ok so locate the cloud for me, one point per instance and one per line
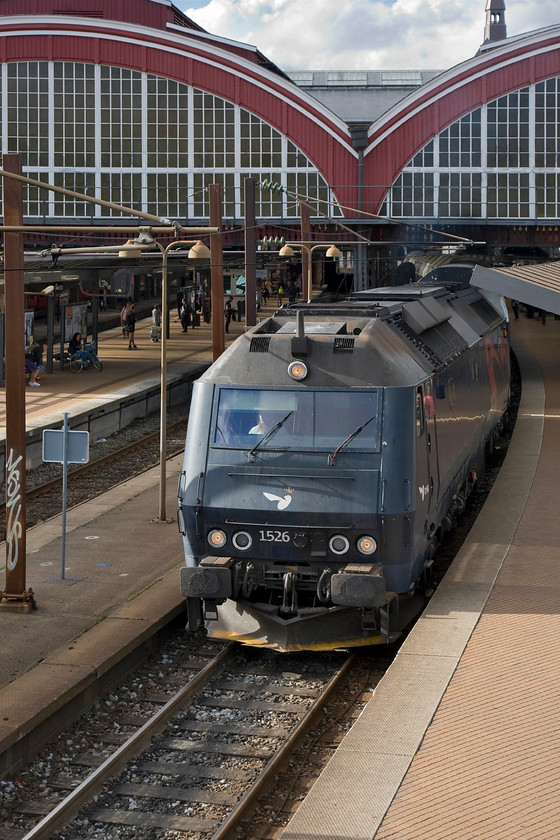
(525, 17)
(364, 34)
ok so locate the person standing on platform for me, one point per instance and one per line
(280, 294)
(124, 313)
(185, 315)
(131, 326)
(103, 286)
(228, 312)
(199, 298)
(207, 309)
(155, 332)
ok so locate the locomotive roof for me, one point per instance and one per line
(393, 336)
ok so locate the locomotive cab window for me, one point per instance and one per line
(297, 420)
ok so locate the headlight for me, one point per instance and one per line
(297, 370)
(366, 545)
(217, 538)
(339, 544)
(242, 540)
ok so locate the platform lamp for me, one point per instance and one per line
(288, 251)
(198, 250)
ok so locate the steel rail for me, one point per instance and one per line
(82, 795)
(252, 794)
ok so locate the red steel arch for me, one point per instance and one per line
(395, 138)
(186, 55)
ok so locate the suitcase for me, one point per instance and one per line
(196, 319)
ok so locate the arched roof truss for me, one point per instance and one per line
(99, 67)
(479, 141)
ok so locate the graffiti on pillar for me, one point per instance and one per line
(14, 523)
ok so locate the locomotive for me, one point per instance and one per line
(328, 450)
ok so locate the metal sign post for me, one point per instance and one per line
(63, 446)
(64, 493)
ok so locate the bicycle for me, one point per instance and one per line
(85, 357)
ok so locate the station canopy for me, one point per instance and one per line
(535, 285)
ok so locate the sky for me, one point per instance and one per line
(364, 34)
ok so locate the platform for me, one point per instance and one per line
(460, 740)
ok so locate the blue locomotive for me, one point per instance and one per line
(328, 449)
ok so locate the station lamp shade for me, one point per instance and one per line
(130, 250)
(199, 251)
(286, 251)
(333, 251)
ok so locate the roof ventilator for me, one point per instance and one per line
(259, 344)
(343, 344)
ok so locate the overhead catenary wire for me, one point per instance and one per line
(310, 202)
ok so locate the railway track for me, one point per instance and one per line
(200, 760)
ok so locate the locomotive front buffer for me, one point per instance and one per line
(353, 599)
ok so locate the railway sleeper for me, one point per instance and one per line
(143, 819)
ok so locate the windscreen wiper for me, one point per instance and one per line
(268, 435)
(332, 456)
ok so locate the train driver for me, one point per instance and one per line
(268, 420)
(261, 428)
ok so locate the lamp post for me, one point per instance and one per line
(330, 251)
(197, 251)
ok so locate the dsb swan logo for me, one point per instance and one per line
(284, 502)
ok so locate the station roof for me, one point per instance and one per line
(360, 95)
(536, 285)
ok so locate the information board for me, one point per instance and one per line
(77, 446)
